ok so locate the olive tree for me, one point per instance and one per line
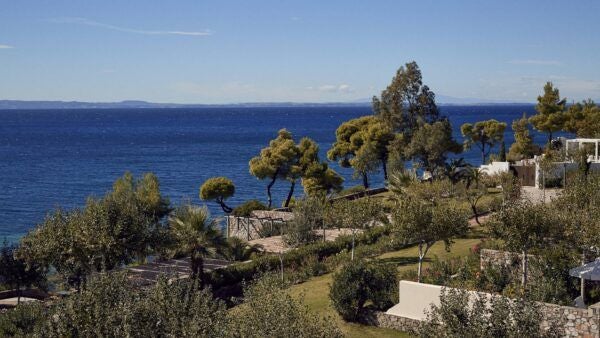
(462, 314)
(308, 217)
(484, 135)
(475, 189)
(123, 226)
(524, 226)
(424, 224)
(218, 189)
(15, 273)
(355, 215)
(270, 311)
(578, 207)
(109, 306)
(358, 282)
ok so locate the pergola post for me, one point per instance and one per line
(582, 290)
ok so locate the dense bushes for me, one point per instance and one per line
(359, 282)
(109, 306)
(269, 311)
(23, 321)
(373, 241)
(549, 272)
(462, 315)
(123, 226)
(352, 190)
(244, 209)
(113, 308)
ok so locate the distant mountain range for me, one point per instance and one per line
(18, 104)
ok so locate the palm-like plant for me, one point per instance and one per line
(240, 250)
(458, 170)
(399, 180)
(196, 234)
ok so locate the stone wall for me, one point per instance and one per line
(510, 260)
(382, 319)
(416, 298)
(583, 323)
(489, 257)
(576, 322)
(273, 214)
(262, 222)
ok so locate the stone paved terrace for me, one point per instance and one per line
(275, 244)
(174, 268)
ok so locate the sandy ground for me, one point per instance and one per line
(536, 196)
(13, 301)
(276, 244)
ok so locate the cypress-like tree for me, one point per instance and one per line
(550, 107)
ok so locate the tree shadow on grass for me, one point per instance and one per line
(401, 261)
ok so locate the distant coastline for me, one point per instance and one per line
(19, 104)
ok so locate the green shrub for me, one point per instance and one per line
(22, 321)
(359, 282)
(352, 190)
(460, 315)
(269, 311)
(244, 209)
(109, 306)
(372, 242)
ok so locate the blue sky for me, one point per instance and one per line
(306, 51)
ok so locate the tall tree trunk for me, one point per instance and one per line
(549, 138)
(365, 180)
(197, 266)
(225, 207)
(475, 213)
(290, 194)
(18, 294)
(583, 279)
(269, 189)
(525, 263)
(281, 263)
(483, 153)
(384, 166)
(420, 262)
(352, 254)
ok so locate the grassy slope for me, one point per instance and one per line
(315, 292)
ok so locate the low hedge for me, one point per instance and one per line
(373, 241)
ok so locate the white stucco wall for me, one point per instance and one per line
(495, 168)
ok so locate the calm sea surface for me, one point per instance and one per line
(51, 158)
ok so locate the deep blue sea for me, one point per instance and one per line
(52, 158)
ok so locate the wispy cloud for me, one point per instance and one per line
(6, 47)
(87, 22)
(341, 88)
(535, 62)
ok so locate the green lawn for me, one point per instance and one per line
(407, 258)
(315, 292)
